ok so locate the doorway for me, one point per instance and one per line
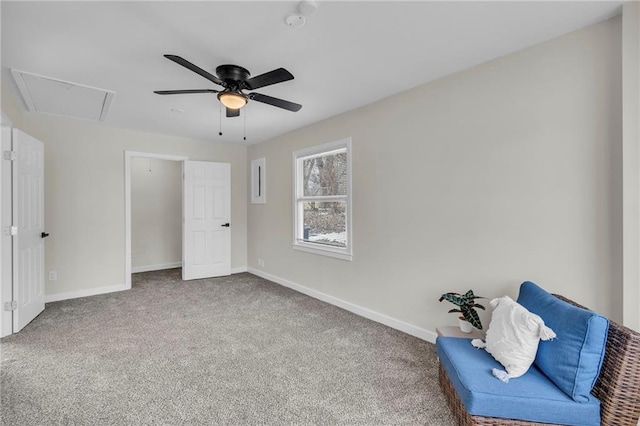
(128, 164)
(156, 214)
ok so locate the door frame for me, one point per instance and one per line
(6, 255)
(128, 155)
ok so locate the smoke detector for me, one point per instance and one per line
(295, 20)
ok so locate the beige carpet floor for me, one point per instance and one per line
(237, 350)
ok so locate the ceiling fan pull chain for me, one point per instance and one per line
(244, 136)
(220, 132)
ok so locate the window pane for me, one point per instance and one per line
(325, 175)
(324, 223)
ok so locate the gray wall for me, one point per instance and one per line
(498, 174)
(631, 163)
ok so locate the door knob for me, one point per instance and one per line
(44, 235)
(226, 225)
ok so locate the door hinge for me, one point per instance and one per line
(10, 230)
(11, 306)
(9, 155)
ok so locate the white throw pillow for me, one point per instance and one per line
(513, 336)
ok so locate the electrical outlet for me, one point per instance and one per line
(261, 262)
(53, 275)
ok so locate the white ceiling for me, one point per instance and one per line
(349, 54)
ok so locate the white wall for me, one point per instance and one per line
(156, 214)
(498, 174)
(84, 196)
(11, 109)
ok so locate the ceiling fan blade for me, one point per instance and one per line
(268, 78)
(180, 92)
(180, 61)
(233, 112)
(280, 103)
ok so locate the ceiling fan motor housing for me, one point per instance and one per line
(232, 73)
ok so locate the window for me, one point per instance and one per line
(322, 199)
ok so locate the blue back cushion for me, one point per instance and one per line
(573, 359)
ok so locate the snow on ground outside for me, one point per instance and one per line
(332, 237)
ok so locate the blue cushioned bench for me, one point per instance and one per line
(588, 376)
(532, 397)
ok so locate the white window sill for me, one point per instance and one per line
(328, 251)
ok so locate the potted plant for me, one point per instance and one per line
(466, 304)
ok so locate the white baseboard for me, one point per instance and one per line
(83, 293)
(418, 332)
(121, 287)
(238, 270)
(158, 267)
(172, 265)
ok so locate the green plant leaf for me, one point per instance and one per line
(454, 298)
(472, 316)
(467, 304)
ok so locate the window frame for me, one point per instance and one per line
(344, 253)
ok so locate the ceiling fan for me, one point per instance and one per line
(235, 79)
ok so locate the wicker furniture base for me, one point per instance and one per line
(617, 386)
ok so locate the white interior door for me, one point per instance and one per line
(28, 216)
(207, 214)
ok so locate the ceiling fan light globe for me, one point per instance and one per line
(232, 100)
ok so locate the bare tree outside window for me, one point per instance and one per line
(325, 176)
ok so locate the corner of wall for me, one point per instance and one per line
(631, 164)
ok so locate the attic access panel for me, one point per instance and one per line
(59, 97)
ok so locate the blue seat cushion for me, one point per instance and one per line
(531, 397)
(573, 359)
